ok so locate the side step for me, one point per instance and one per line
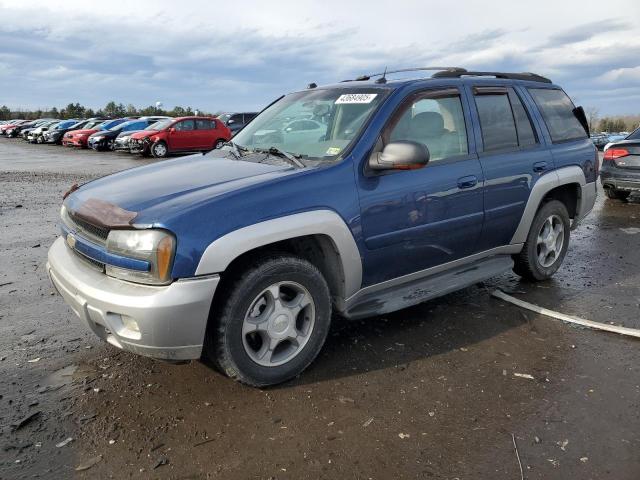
(420, 290)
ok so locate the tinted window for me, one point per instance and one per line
(635, 135)
(437, 122)
(185, 125)
(526, 135)
(202, 124)
(496, 122)
(557, 111)
(237, 118)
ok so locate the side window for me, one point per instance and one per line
(203, 124)
(496, 120)
(526, 134)
(557, 111)
(434, 119)
(237, 118)
(185, 125)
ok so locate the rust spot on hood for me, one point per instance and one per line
(105, 214)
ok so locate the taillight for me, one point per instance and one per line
(614, 153)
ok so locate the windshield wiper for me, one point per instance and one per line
(282, 154)
(237, 149)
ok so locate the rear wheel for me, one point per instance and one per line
(272, 321)
(219, 143)
(546, 245)
(159, 149)
(616, 194)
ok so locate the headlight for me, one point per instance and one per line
(155, 246)
(98, 138)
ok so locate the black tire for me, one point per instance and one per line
(159, 149)
(614, 194)
(218, 143)
(527, 263)
(224, 343)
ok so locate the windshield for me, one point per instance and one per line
(119, 127)
(161, 125)
(315, 124)
(224, 117)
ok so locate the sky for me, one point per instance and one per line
(238, 56)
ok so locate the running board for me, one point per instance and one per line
(427, 288)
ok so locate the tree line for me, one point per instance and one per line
(111, 109)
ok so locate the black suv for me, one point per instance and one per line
(236, 121)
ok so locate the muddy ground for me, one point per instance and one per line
(427, 392)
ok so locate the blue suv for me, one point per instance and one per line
(409, 190)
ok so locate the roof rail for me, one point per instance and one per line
(363, 78)
(532, 77)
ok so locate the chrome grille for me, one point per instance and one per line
(93, 230)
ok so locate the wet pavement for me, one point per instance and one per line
(427, 392)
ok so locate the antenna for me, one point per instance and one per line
(383, 78)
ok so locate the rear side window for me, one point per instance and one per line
(496, 122)
(557, 111)
(202, 124)
(526, 135)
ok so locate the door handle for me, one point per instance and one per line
(539, 167)
(467, 182)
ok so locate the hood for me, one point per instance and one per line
(144, 133)
(161, 190)
(128, 133)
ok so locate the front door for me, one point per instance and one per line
(184, 136)
(416, 219)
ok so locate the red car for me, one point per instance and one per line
(9, 125)
(183, 134)
(78, 138)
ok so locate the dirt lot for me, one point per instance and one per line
(428, 392)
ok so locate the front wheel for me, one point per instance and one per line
(546, 245)
(272, 321)
(159, 150)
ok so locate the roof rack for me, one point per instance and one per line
(382, 75)
(532, 77)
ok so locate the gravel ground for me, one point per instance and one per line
(427, 392)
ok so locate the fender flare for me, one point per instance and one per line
(546, 183)
(221, 252)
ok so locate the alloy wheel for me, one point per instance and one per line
(550, 241)
(278, 324)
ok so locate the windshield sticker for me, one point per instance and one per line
(356, 98)
(333, 150)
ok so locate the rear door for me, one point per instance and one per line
(205, 133)
(512, 158)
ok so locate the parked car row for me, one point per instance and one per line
(153, 135)
(602, 139)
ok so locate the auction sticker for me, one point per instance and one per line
(356, 98)
(333, 150)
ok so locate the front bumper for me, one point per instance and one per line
(74, 142)
(171, 319)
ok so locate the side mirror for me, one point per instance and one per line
(229, 122)
(402, 155)
(172, 130)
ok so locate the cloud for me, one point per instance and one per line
(222, 56)
(586, 31)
